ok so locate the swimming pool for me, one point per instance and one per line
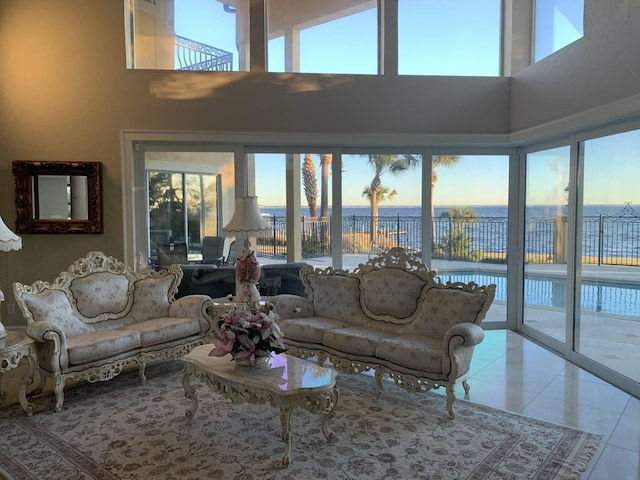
(612, 298)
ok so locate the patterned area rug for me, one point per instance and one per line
(123, 430)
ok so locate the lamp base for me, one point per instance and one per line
(247, 293)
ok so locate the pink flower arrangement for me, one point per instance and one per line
(249, 331)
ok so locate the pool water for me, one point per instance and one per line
(612, 298)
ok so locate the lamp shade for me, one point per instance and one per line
(246, 217)
(8, 240)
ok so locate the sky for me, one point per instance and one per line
(429, 45)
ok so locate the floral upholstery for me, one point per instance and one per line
(310, 329)
(335, 296)
(445, 307)
(53, 307)
(392, 291)
(100, 292)
(100, 315)
(413, 351)
(98, 345)
(392, 315)
(356, 340)
(151, 297)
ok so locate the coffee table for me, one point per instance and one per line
(288, 383)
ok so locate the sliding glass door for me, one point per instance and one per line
(546, 237)
(607, 325)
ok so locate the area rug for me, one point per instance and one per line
(121, 429)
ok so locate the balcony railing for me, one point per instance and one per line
(192, 55)
(606, 239)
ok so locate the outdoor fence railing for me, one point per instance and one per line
(606, 239)
(192, 55)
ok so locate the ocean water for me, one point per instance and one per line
(480, 210)
(607, 230)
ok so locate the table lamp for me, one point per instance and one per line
(247, 219)
(8, 241)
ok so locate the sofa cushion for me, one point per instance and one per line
(336, 296)
(355, 340)
(310, 329)
(412, 351)
(392, 292)
(445, 307)
(53, 306)
(165, 329)
(100, 292)
(98, 345)
(151, 297)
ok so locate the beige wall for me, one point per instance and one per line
(65, 94)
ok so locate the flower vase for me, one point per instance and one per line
(263, 362)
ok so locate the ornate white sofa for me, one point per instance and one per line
(100, 316)
(392, 315)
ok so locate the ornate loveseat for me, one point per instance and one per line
(391, 315)
(100, 316)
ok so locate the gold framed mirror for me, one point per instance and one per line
(58, 197)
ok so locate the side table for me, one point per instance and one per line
(13, 348)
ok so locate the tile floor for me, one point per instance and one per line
(512, 373)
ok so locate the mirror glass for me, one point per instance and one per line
(58, 197)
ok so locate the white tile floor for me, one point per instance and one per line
(512, 373)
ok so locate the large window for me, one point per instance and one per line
(183, 209)
(309, 36)
(546, 239)
(607, 288)
(557, 24)
(470, 196)
(381, 205)
(204, 35)
(435, 37)
(455, 37)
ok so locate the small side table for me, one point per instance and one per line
(13, 348)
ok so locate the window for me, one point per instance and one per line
(313, 37)
(182, 211)
(557, 24)
(454, 37)
(470, 222)
(381, 205)
(186, 35)
(609, 253)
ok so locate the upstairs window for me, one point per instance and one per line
(449, 37)
(200, 35)
(311, 36)
(557, 24)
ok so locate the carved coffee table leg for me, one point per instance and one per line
(190, 393)
(286, 407)
(329, 413)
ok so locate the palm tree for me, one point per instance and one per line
(310, 184)
(456, 243)
(325, 162)
(394, 164)
(438, 161)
